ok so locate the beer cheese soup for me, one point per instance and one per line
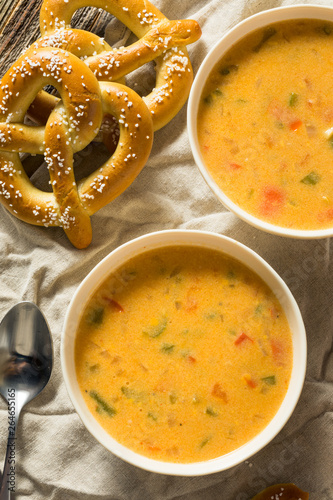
(183, 354)
(265, 124)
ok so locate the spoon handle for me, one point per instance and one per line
(8, 476)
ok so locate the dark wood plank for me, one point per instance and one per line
(6, 9)
(91, 19)
(19, 27)
(20, 30)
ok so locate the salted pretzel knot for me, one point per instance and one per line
(160, 39)
(72, 124)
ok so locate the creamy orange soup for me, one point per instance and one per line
(183, 354)
(265, 124)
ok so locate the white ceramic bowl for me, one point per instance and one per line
(225, 43)
(229, 247)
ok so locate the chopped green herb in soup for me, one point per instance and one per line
(186, 364)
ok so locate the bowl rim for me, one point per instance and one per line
(230, 37)
(230, 247)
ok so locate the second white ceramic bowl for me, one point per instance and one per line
(215, 54)
(206, 240)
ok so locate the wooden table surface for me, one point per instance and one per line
(19, 26)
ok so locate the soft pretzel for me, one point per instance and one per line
(159, 39)
(72, 124)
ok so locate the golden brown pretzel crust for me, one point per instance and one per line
(159, 39)
(75, 61)
(72, 124)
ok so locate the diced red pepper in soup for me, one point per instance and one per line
(242, 337)
(273, 199)
(278, 352)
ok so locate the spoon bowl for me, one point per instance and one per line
(26, 359)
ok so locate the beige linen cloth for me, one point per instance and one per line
(56, 457)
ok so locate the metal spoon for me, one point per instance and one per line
(25, 367)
